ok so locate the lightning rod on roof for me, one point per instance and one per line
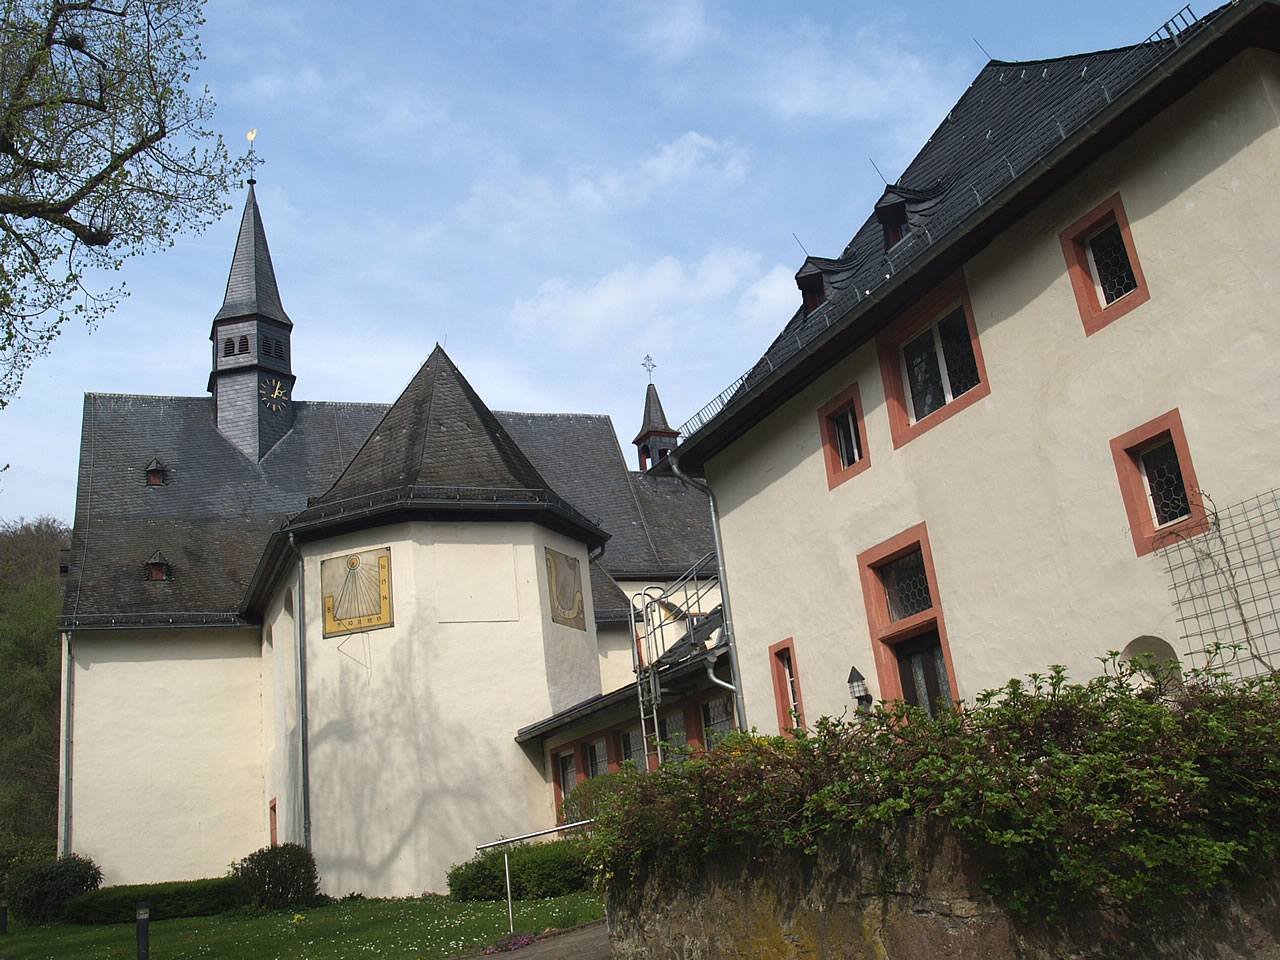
(797, 239)
(982, 48)
(873, 163)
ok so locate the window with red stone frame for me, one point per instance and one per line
(844, 437)
(1158, 483)
(931, 362)
(1103, 266)
(786, 685)
(904, 616)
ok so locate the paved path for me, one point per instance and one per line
(588, 942)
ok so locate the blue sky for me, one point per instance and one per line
(551, 189)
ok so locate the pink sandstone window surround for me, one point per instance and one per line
(904, 616)
(1158, 483)
(786, 685)
(844, 437)
(931, 362)
(1102, 263)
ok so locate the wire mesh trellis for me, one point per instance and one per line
(1226, 586)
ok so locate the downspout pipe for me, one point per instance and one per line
(301, 619)
(740, 706)
(68, 705)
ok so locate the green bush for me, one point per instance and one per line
(41, 888)
(538, 870)
(183, 898)
(1119, 790)
(277, 877)
(590, 796)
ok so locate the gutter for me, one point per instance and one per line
(304, 746)
(740, 706)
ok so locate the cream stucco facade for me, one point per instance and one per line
(1030, 540)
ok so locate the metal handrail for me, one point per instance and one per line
(506, 858)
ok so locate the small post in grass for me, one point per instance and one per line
(511, 920)
(143, 915)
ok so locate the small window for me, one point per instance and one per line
(157, 567)
(939, 364)
(243, 345)
(228, 347)
(279, 348)
(155, 473)
(634, 750)
(597, 758)
(671, 728)
(717, 720)
(567, 772)
(931, 362)
(786, 686)
(843, 437)
(906, 586)
(813, 290)
(1102, 265)
(1158, 483)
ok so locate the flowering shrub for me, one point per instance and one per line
(1123, 789)
(512, 941)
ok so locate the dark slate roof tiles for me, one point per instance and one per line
(251, 285)
(655, 421)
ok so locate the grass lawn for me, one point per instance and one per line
(378, 929)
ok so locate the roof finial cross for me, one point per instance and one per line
(648, 364)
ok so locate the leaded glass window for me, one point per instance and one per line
(568, 774)
(1169, 500)
(1112, 271)
(633, 747)
(597, 758)
(717, 720)
(922, 669)
(906, 585)
(940, 364)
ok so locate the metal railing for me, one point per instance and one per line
(970, 195)
(506, 857)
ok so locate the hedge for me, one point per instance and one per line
(182, 898)
(537, 870)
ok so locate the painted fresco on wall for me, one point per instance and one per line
(357, 592)
(564, 580)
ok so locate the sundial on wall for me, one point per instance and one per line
(357, 592)
(564, 583)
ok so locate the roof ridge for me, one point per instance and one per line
(1066, 56)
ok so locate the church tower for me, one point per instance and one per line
(656, 438)
(252, 376)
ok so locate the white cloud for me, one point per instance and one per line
(674, 31)
(691, 159)
(769, 302)
(299, 84)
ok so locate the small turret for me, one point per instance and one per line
(656, 438)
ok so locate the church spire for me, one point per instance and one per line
(251, 286)
(656, 438)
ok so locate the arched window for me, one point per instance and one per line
(228, 347)
(243, 345)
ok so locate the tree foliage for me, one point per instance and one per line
(30, 656)
(104, 154)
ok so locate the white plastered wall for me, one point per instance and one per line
(411, 727)
(166, 761)
(281, 744)
(1033, 556)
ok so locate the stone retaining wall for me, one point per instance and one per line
(917, 897)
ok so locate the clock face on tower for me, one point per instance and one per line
(274, 393)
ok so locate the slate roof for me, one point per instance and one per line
(251, 285)
(212, 516)
(216, 511)
(655, 421)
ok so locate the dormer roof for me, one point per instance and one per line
(251, 285)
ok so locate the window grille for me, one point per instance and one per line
(671, 729)
(848, 437)
(906, 585)
(568, 774)
(1111, 269)
(1169, 500)
(597, 759)
(940, 364)
(633, 747)
(922, 668)
(717, 720)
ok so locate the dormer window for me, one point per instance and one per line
(158, 567)
(814, 291)
(228, 347)
(155, 474)
(243, 345)
(895, 233)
